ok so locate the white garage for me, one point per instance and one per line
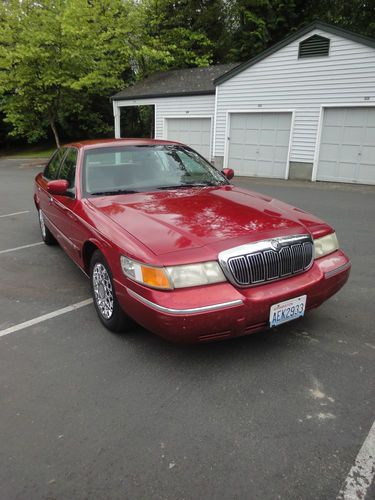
(183, 102)
(259, 143)
(347, 145)
(194, 131)
(302, 109)
(323, 75)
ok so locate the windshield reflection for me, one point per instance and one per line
(130, 169)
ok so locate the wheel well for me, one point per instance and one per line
(87, 251)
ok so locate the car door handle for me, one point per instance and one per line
(50, 199)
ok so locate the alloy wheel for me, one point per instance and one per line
(42, 224)
(103, 292)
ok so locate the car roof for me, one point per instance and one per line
(105, 143)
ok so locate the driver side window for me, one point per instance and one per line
(68, 168)
(50, 172)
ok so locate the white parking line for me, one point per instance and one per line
(15, 213)
(362, 473)
(21, 248)
(44, 317)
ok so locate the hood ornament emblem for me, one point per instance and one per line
(276, 245)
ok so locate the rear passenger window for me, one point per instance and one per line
(68, 167)
(50, 172)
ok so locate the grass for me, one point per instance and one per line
(30, 152)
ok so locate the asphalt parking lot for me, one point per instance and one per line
(89, 414)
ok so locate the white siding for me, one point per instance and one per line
(282, 81)
(167, 107)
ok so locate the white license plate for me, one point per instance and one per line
(287, 310)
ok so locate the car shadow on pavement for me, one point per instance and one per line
(265, 344)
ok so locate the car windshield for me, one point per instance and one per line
(129, 169)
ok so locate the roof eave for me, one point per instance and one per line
(335, 30)
(159, 95)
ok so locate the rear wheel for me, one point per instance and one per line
(47, 236)
(104, 296)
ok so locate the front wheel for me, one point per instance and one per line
(104, 296)
(47, 236)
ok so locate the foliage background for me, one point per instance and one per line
(61, 60)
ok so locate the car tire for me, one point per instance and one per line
(106, 304)
(47, 236)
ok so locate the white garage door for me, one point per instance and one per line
(195, 132)
(259, 143)
(347, 146)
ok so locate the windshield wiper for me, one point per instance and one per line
(177, 186)
(204, 184)
(190, 185)
(117, 191)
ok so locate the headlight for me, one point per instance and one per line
(196, 274)
(326, 245)
(174, 276)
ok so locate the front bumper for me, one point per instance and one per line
(214, 312)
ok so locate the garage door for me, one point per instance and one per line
(259, 143)
(195, 132)
(347, 146)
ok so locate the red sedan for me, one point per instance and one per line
(168, 242)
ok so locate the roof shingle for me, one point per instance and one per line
(179, 82)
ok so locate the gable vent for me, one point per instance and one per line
(315, 46)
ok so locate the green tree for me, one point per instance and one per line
(354, 15)
(56, 57)
(60, 60)
(256, 24)
(180, 33)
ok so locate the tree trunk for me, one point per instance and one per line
(56, 135)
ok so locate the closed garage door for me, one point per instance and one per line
(195, 132)
(347, 146)
(259, 143)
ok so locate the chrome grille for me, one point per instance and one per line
(268, 260)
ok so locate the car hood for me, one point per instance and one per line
(220, 218)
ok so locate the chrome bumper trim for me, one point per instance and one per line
(338, 270)
(194, 310)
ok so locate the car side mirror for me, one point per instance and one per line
(229, 173)
(58, 186)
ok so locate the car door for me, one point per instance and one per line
(68, 224)
(45, 198)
